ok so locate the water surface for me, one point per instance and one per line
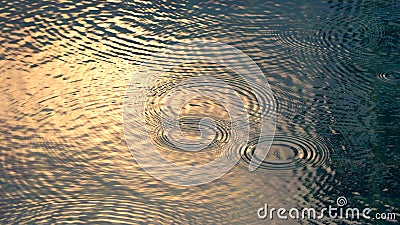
(333, 67)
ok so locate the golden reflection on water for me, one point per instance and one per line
(67, 119)
(71, 145)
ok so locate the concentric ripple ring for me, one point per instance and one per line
(291, 152)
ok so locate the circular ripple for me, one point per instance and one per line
(288, 152)
(352, 34)
(337, 31)
(391, 77)
(161, 139)
(189, 128)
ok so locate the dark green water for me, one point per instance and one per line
(333, 68)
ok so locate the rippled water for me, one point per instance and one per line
(333, 68)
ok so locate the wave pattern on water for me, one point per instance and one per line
(65, 65)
